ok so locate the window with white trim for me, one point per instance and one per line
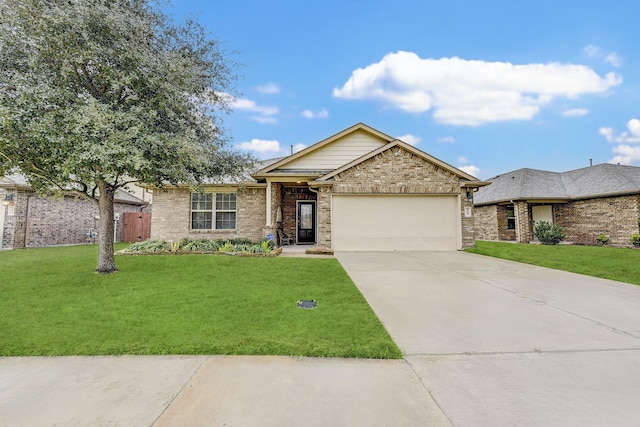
(213, 211)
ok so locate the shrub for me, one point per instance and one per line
(603, 239)
(148, 246)
(548, 234)
(635, 239)
(227, 247)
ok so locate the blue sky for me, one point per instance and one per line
(487, 86)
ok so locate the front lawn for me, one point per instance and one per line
(53, 303)
(621, 264)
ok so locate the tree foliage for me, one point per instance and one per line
(97, 94)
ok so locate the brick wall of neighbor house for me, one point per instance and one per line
(504, 233)
(486, 222)
(50, 221)
(13, 232)
(583, 220)
(524, 232)
(172, 212)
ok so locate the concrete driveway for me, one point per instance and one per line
(486, 343)
(502, 343)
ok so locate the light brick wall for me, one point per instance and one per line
(468, 227)
(172, 212)
(402, 173)
(524, 232)
(324, 216)
(486, 222)
(583, 220)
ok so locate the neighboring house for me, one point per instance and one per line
(356, 190)
(28, 220)
(601, 199)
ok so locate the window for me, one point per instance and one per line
(225, 211)
(207, 215)
(511, 218)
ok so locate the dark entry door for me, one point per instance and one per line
(306, 222)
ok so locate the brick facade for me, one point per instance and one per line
(393, 171)
(486, 222)
(49, 221)
(396, 171)
(172, 214)
(582, 220)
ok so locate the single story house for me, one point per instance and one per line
(359, 189)
(28, 220)
(586, 202)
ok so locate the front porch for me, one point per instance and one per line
(293, 208)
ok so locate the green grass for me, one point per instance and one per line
(53, 303)
(621, 264)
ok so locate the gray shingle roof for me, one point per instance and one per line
(529, 184)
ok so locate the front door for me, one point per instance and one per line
(306, 223)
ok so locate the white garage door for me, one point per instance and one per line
(394, 222)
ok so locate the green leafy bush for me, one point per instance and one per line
(200, 245)
(635, 239)
(187, 245)
(548, 234)
(148, 246)
(603, 239)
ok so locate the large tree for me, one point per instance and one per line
(97, 94)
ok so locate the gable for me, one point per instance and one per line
(337, 153)
(396, 170)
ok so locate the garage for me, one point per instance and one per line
(394, 222)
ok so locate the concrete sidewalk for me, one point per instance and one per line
(212, 391)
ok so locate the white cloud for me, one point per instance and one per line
(269, 88)
(471, 92)
(260, 145)
(249, 105)
(592, 51)
(321, 114)
(471, 170)
(410, 139)
(595, 52)
(462, 159)
(626, 154)
(613, 59)
(575, 112)
(630, 136)
(446, 140)
(264, 148)
(266, 114)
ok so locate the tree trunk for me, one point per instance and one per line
(106, 257)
